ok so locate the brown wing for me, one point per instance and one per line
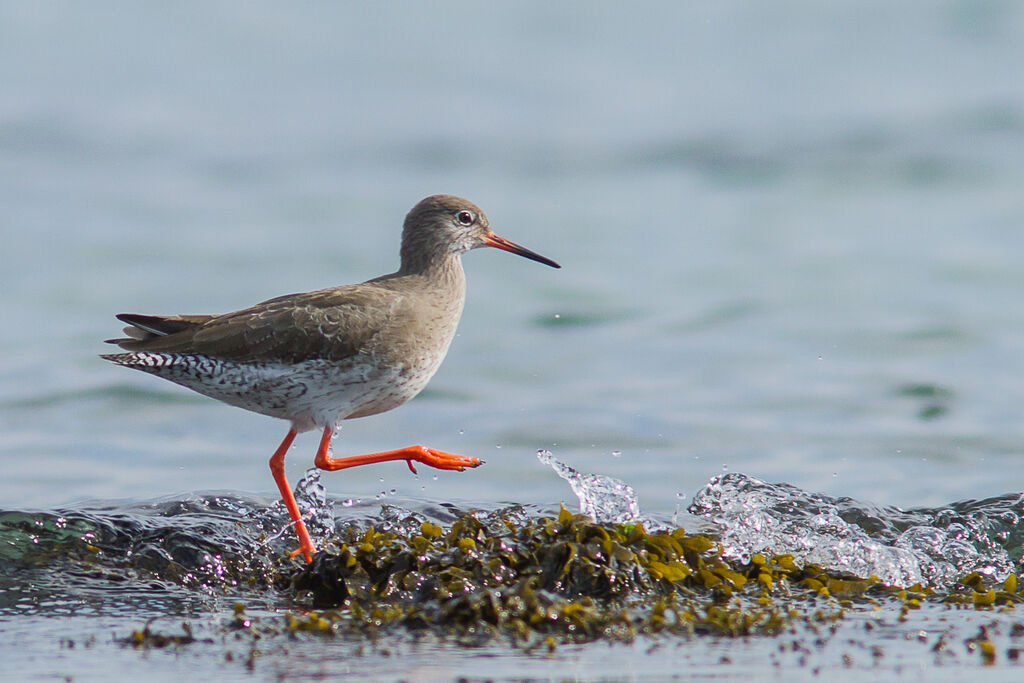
(331, 323)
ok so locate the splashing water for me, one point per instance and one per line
(316, 508)
(604, 499)
(399, 520)
(496, 521)
(900, 547)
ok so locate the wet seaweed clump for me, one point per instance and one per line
(538, 582)
(551, 580)
(148, 638)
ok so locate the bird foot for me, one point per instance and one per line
(428, 456)
(439, 459)
(305, 551)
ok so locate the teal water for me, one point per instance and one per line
(790, 239)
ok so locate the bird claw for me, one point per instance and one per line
(459, 462)
(307, 553)
(445, 461)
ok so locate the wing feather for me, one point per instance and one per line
(331, 324)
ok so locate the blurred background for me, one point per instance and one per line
(791, 237)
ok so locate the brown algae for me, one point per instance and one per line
(537, 583)
(568, 579)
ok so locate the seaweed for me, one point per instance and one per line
(568, 579)
(537, 583)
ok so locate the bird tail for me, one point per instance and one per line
(146, 328)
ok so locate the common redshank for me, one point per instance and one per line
(321, 357)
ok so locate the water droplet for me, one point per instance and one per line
(348, 502)
(725, 468)
(616, 454)
(393, 491)
(462, 431)
(497, 445)
(558, 316)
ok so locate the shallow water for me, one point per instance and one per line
(79, 582)
(790, 238)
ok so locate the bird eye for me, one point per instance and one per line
(465, 217)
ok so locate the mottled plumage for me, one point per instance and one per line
(320, 357)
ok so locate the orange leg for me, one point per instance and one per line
(427, 456)
(277, 469)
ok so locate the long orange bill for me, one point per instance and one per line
(493, 240)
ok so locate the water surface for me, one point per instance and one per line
(790, 238)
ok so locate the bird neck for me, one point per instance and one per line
(438, 263)
(446, 274)
(440, 276)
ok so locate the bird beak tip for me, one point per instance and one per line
(497, 242)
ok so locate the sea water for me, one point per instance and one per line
(790, 237)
